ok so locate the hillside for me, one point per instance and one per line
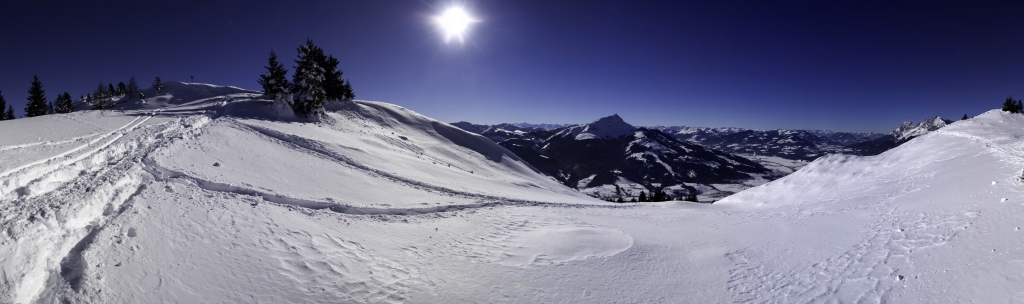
(223, 198)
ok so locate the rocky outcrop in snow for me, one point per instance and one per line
(908, 130)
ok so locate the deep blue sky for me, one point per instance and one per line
(840, 65)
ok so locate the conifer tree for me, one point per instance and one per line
(49, 106)
(121, 89)
(133, 88)
(158, 85)
(337, 89)
(275, 80)
(36, 99)
(3, 105)
(308, 81)
(101, 97)
(1012, 106)
(643, 196)
(10, 113)
(965, 117)
(63, 104)
(110, 89)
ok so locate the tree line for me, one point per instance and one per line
(316, 81)
(656, 196)
(101, 98)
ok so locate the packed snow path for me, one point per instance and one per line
(216, 198)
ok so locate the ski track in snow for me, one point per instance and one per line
(71, 196)
(55, 208)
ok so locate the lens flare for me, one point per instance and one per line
(454, 22)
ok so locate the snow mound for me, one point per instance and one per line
(556, 245)
(840, 177)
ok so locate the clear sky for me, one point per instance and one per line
(839, 65)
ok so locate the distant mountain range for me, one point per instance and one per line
(610, 158)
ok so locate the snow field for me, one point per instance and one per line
(206, 194)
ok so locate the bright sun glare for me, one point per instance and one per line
(454, 22)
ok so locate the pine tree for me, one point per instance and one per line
(158, 85)
(36, 99)
(620, 200)
(121, 89)
(3, 105)
(63, 104)
(1011, 105)
(10, 113)
(133, 88)
(333, 84)
(308, 80)
(49, 106)
(110, 89)
(101, 97)
(643, 196)
(275, 80)
(965, 117)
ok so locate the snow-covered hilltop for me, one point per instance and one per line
(204, 195)
(933, 220)
(67, 180)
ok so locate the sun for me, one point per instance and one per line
(454, 22)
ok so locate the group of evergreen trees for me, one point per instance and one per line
(1013, 106)
(102, 97)
(657, 196)
(5, 115)
(316, 81)
(38, 105)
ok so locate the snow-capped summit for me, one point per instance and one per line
(908, 130)
(608, 128)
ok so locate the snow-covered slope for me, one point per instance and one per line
(65, 177)
(223, 199)
(937, 219)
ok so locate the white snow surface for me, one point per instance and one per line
(222, 198)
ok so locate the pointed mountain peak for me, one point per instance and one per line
(607, 127)
(614, 119)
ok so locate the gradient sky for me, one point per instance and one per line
(839, 65)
